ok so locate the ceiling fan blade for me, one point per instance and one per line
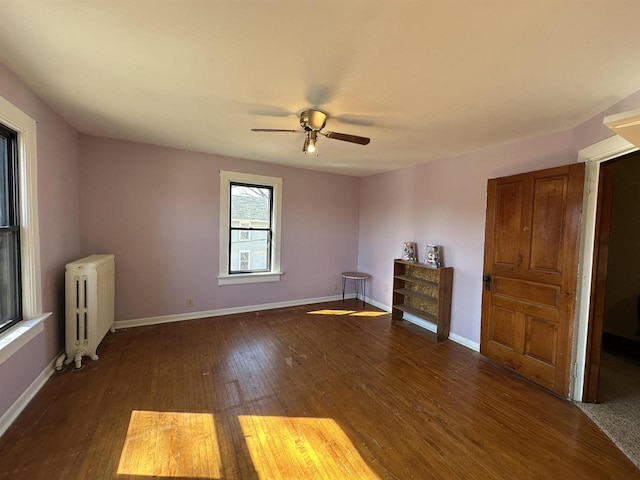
(347, 138)
(275, 130)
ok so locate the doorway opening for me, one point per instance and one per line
(611, 390)
(614, 317)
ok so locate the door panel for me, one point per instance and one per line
(528, 292)
(531, 254)
(541, 339)
(550, 199)
(509, 196)
(502, 326)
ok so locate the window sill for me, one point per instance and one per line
(243, 278)
(19, 335)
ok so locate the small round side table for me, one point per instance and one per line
(359, 280)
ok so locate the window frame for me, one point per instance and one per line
(12, 227)
(244, 228)
(32, 324)
(25, 127)
(274, 273)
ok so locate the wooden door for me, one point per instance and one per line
(530, 273)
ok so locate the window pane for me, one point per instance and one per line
(4, 183)
(250, 205)
(250, 244)
(9, 296)
(250, 255)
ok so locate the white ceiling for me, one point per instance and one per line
(423, 79)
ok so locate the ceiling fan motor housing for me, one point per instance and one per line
(313, 120)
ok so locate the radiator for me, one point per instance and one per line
(89, 305)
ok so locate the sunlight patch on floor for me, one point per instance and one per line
(298, 447)
(352, 313)
(367, 314)
(172, 445)
(332, 312)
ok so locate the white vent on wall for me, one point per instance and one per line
(626, 124)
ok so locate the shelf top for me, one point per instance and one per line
(418, 264)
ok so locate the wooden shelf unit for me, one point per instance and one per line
(423, 292)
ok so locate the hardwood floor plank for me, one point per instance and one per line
(304, 392)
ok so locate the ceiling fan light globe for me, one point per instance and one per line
(310, 145)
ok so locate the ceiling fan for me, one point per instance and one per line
(312, 122)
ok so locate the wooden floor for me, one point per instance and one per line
(299, 393)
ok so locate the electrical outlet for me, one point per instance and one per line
(386, 287)
(335, 286)
(189, 302)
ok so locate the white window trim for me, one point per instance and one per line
(25, 127)
(224, 278)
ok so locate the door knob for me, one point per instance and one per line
(486, 279)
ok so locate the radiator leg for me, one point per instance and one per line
(78, 360)
(59, 361)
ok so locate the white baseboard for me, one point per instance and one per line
(179, 317)
(432, 327)
(379, 305)
(139, 322)
(465, 342)
(14, 410)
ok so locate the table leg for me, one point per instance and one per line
(344, 282)
(364, 292)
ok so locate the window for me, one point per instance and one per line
(250, 212)
(23, 187)
(251, 208)
(10, 288)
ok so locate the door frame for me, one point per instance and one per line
(593, 156)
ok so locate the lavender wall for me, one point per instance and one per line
(444, 202)
(157, 210)
(58, 195)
